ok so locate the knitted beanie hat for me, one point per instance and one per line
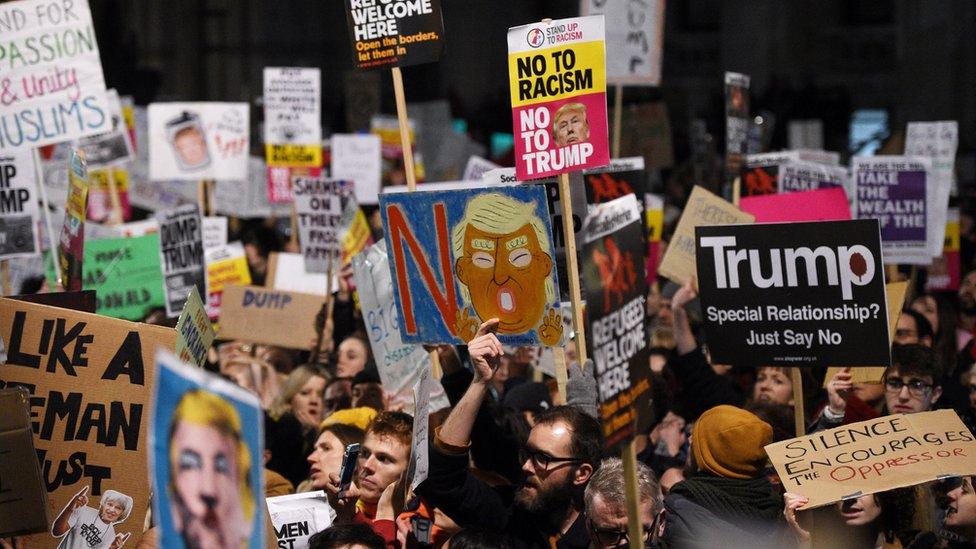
(729, 442)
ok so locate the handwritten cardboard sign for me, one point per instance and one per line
(319, 206)
(703, 209)
(54, 90)
(616, 290)
(90, 379)
(19, 213)
(394, 33)
(794, 294)
(874, 456)
(558, 83)
(461, 257)
(272, 317)
(127, 275)
(181, 250)
(357, 158)
(194, 333)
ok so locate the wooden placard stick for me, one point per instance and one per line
(327, 306)
(635, 530)
(799, 411)
(113, 196)
(293, 241)
(575, 295)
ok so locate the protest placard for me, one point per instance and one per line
(828, 204)
(214, 232)
(398, 363)
(101, 203)
(247, 197)
(760, 171)
(71, 251)
(194, 333)
(621, 177)
(216, 427)
(801, 175)
(895, 190)
(394, 33)
(287, 272)
(477, 167)
(356, 158)
(938, 142)
(736, 123)
(90, 378)
(654, 221)
(272, 317)
(83, 301)
(54, 88)
(945, 274)
(703, 208)
(448, 251)
(24, 506)
(419, 442)
(181, 250)
(114, 146)
(292, 117)
(874, 456)
(226, 265)
(805, 133)
(319, 207)
(809, 294)
(19, 215)
(297, 517)
(557, 78)
(635, 35)
(126, 274)
(195, 141)
(616, 291)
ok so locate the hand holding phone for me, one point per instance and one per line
(348, 469)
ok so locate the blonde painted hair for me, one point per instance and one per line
(499, 214)
(209, 410)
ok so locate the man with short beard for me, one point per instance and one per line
(967, 310)
(562, 452)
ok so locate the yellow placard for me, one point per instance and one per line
(300, 156)
(550, 74)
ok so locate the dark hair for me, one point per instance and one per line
(347, 434)
(501, 431)
(342, 535)
(917, 360)
(778, 416)
(31, 285)
(480, 538)
(265, 239)
(897, 511)
(587, 435)
(922, 325)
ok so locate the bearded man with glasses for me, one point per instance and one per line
(562, 452)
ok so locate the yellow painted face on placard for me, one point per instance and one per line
(506, 276)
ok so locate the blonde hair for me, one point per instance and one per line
(499, 214)
(204, 409)
(292, 386)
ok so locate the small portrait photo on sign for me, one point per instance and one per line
(80, 525)
(569, 125)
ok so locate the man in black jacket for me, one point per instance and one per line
(563, 450)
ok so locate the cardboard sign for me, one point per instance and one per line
(395, 33)
(126, 274)
(271, 317)
(557, 77)
(53, 74)
(72, 242)
(760, 172)
(875, 456)
(297, 517)
(181, 250)
(616, 292)
(214, 232)
(461, 257)
(194, 141)
(938, 142)
(703, 209)
(194, 333)
(19, 216)
(90, 379)
(635, 35)
(895, 190)
(24, 506)
(319, 206)
(799, 175)
(206, 432)
(114, 146)
(292, 117)
(829, 204)
(100, 198)
(945, 274)
(419, 442)
(356, 158)
(399, 364)
(287, 272)
(226, 265)
(794, 294)
(736, 122)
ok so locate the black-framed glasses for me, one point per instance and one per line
(916, 387)
(541, 460)
(613, 538)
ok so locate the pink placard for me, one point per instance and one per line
(819, 205)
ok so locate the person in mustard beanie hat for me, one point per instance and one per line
(727, 501)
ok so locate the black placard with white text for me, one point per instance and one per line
(394, 33)
(794, 294)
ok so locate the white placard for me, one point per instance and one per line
(195, 141)
(292, 106)
(357, 158)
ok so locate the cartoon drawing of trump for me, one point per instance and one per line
(503, 264)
